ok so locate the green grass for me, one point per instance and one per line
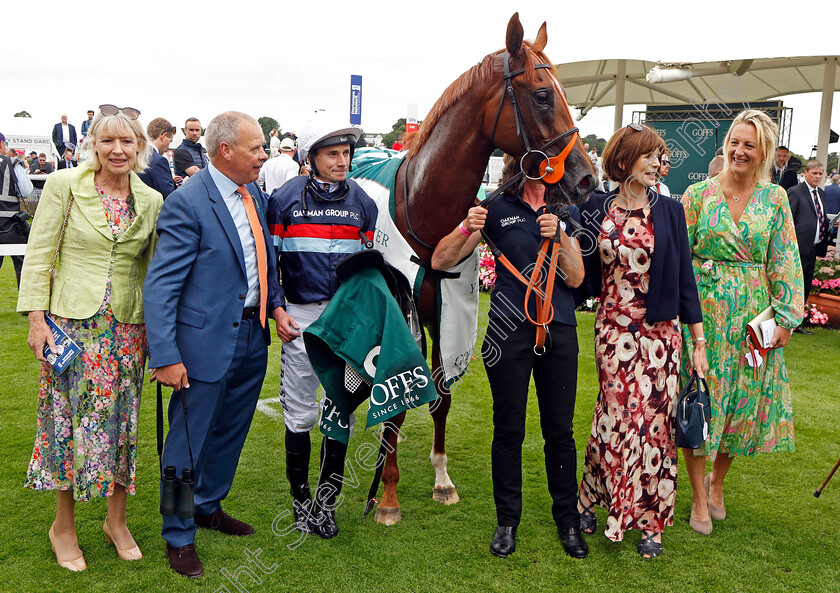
(777, 537)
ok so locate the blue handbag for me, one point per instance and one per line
(694, 411)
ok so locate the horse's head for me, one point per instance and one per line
(530, 119)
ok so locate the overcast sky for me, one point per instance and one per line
(286, 59)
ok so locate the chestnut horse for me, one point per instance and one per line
(510, 100)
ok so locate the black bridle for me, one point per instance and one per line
(521, 131)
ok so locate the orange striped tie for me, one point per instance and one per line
(259, 242)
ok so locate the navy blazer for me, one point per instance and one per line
(196, 284)
(672, 291)
(58, 136)
(805, 221)
(158, 175)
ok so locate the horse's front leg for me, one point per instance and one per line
(444, 490)
(388, 511)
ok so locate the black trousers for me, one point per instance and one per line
(508, 354)
(808, 264)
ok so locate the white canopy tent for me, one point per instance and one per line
(601, 83)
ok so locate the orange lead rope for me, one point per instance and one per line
(545, 310)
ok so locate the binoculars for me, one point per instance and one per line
(176, 494)
(21, 221)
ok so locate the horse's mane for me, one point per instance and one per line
(478, 73)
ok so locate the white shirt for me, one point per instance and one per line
(65, 133)
(274, 146)
(662, 189)
(234, 203)
(277, 171)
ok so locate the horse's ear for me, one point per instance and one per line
(541, 40)
(515, 35)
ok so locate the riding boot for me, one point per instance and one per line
(330, 481)
(297, 471)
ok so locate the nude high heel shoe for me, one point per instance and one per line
(701, 527)
(717, 513)
(127, 554)
(74, 564)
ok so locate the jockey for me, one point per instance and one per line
(316, 221)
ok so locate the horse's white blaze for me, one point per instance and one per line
(438, 461)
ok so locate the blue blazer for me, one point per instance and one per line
(673, 290)
(158, 175)
(196, 284)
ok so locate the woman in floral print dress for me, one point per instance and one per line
(745, 259)
(642, 271)
(86, 441)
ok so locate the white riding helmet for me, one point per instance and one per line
(326, 131)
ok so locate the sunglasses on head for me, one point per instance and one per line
(129, 112)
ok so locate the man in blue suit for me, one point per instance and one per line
(208, 291)
(159, 175)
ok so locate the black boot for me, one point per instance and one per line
(297, 471)
(330, 481)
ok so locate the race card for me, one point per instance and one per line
(66, 349)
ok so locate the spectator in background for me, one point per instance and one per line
(68, 162)
(274, 143)
(190, 157)
(780, 174)
(276, 172)
(807, 205)
(41, 166)
(664, 168)
(832, 196)
(63, 133)
(715, 166)
(158, 174)
(87, 122)
(33, 156)
(14, 185)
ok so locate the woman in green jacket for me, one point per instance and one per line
(100, 218)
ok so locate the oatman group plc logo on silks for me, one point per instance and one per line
(396, 392)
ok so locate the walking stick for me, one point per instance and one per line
(831, 473)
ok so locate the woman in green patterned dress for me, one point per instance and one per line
(745, 259)
(86, 441)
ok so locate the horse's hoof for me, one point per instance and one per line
(387, 515)
(446, 495)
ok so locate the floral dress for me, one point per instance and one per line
(631, 459)
(740, 270)
(87, 416)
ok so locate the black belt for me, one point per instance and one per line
(250, 312)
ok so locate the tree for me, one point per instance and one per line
(397, 132)
(22, 114)
(595, 142)
(832, 163)
(267, 124)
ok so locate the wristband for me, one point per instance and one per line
(463, 229)
(696, 340)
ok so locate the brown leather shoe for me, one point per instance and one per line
(221, 521)
(184, 561)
